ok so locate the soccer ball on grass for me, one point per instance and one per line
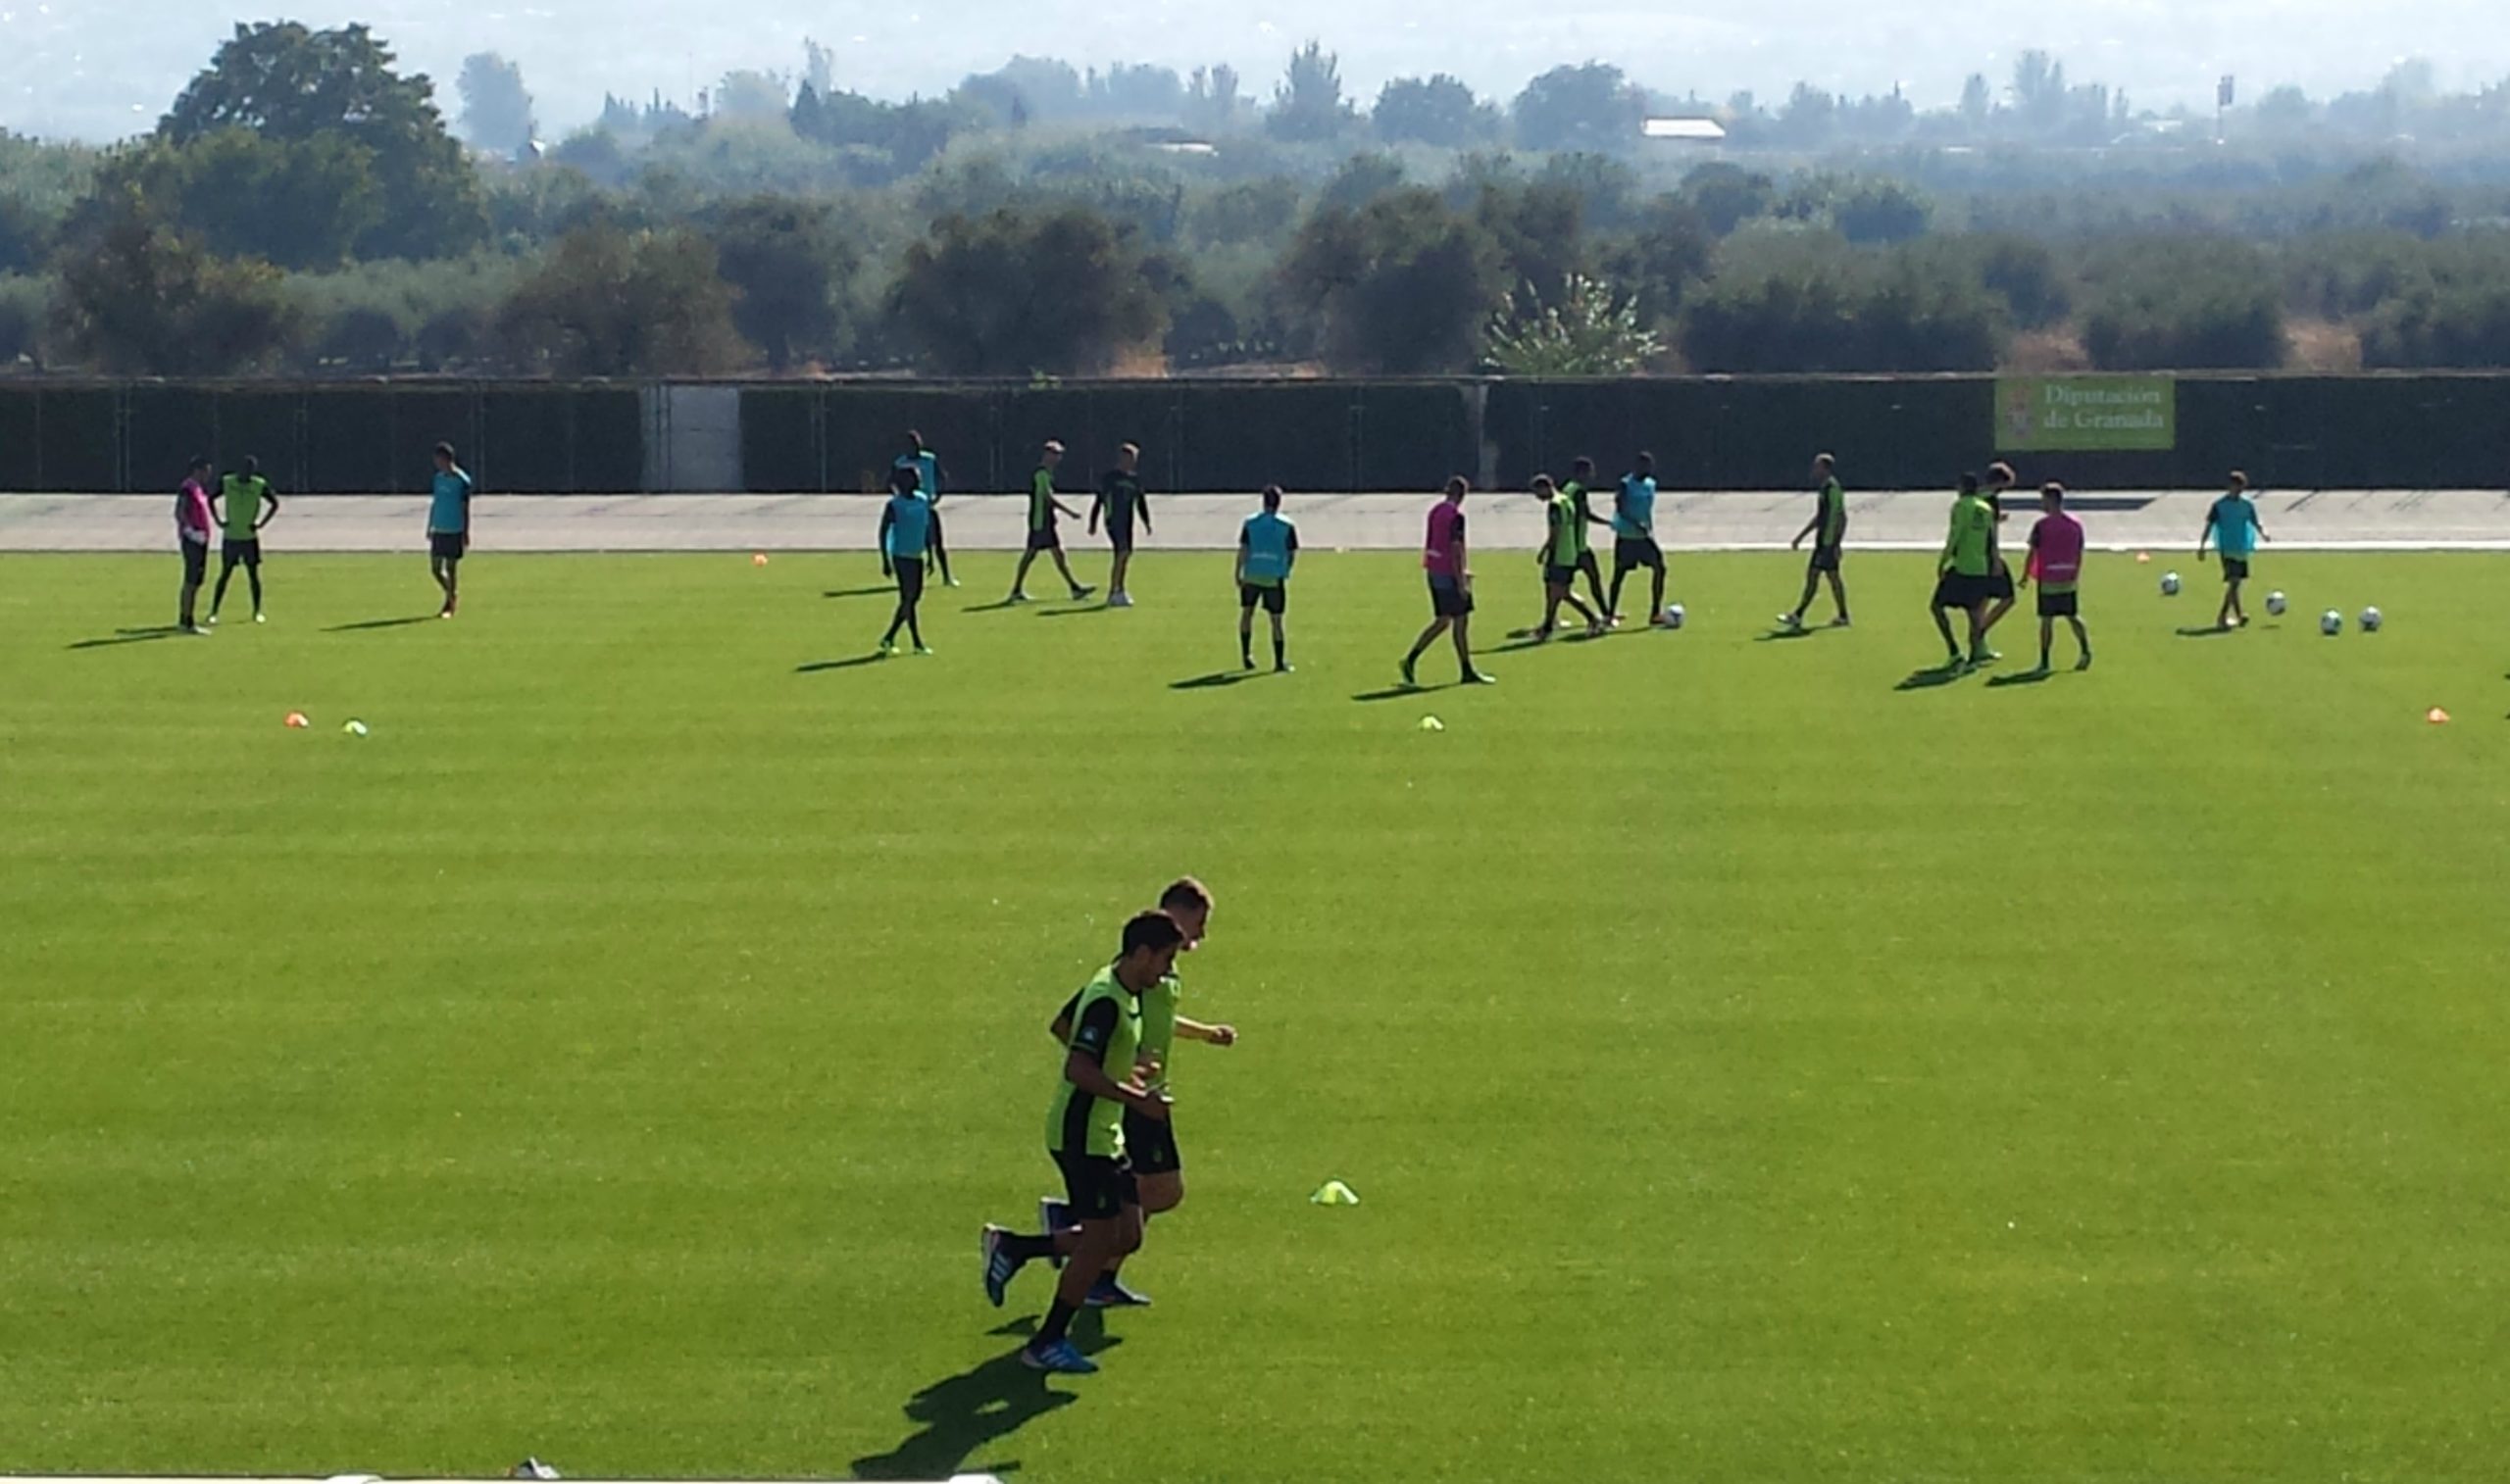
(2275, 603)
(1673, 616)
(2372, 618)
(2170, 584)
(2331, 623)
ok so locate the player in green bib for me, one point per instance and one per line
(1581, 490)
(242, 498)
(1043, 508)
(1564, 550)
(1099, 1084)
(1966, 573)
(1828, 531)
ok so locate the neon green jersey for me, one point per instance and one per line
(1568, 532)
(1106, 1027)
(244, 497)
(1970, 548)
(1159, 1023)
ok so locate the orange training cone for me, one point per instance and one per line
(758, 559)
(2437, 717)
(296, 720)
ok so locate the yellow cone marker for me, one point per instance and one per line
(1335, 1193)
(1433, 723)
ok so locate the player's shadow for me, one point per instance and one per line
(820, 667)
(1074, 613)
(1398, 692)
(375, 623)
(129, 637)
(1782, 635)
(2207, 631)
(996, 607)
(959, 1414)
(1931, 679)
(1219, 679)
(860, 592)
(2022, 677)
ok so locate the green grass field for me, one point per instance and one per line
(1750, 1070)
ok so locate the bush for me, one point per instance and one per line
(139, 298)
(610, 302)
(2184, 304)
(23, 304)
(359, 338)
(1807, 302)
(1019, 290)
(1402, 286)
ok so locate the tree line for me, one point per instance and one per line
(304, 207)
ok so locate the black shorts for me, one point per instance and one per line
(1559, 577)
(2000, 585)
(1825, 559)
(910, 572)
(449, 545)
(1095, 1187)
(242, 553)
(2064, 605)
(1953, 590)
(1586, 561)
(1049, 539)
(1150, 1145)
(1449, 598)
(195, 562)
(1631, 552)
(1120, 535)
(2235, 568)
(1275, 599)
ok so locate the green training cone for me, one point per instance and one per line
(1335, 1193)
(1433, 723)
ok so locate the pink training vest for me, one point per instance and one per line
(1437, 552)
(2056, 549)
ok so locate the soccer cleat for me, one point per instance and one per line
(1080, 591)
(2085, 662)
(1597, 629)
(949, 582)
(1285, 668)
(195, 630)
(1841, 622)
(1246, 661)
(257, 616)
(923, 649)
(213, 620)
(1119, 600)
(1410, 681)
(1000, 1268)
(1017, 596)
(1058, 1357)
(1478, 677)
(1108, 1293)
(1790, 621)
(1612, 621)
(888, 648)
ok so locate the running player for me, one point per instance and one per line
(448, 527)
(1633, 537)
(1267, 550)
(1563, 553)
(242, 495)
(1444, 559)
(906, 537)
(2056, 562)
(2233, 526)
(1581, 489)
(1043, 508)
(192, 525)
(1828, 528)
(1963, 573)
(1150, 1143)
(1085, 1135)
(928, 483)
(1120, 501)
(2000, 585)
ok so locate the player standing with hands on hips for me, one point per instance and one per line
(242, 495)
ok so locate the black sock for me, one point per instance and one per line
(1028, 1249)
(1281, 652)
(1057, 1323)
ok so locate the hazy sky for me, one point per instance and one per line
(99, 69)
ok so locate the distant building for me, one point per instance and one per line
(1698, 131)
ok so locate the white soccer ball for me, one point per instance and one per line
(2331, 623)
(1675, 617)
(2371, 620)
(2275, 603)
(2170, 584)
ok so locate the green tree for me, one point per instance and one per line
(611, 301)
(1308, 106)
(1361, 180)
(1402, 286)
(1727, 195)
(1592, 106)
(1881, 211)
(790, 261)
(1664, 257)
(302, 203)
(1015, 291)
(1584, 331)
(293, 86)
(139, 298)
(1439, 110)
(496, 108)
(2194, 304)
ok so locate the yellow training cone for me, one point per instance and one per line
(1335, 1193)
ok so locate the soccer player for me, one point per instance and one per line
(1442, 557)
(1120, 501)
(1564, 552)
(906, 537)
(927, 481)
(192, 523)
(243, 495)
(1085, 1135)
(2056, 562)
(1963, 573)
(1159, 1170)
(1633, 534)
(2000, 585)
(2233, 526)
(1043, 507)
(1267, 550)
(1828, 528)
(448, 527)
(1581, 489)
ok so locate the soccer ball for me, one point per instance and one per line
(1674, 616)
(2331, 623)
(2274, 604)
(2371, 620)
(2170, 584)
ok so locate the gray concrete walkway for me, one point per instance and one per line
(2333, 519)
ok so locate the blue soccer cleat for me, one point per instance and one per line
(1107, 1293)
(1059, 1358)
(1000, 1268)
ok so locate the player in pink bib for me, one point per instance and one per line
(2056, 564)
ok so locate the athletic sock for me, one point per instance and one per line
(1057, 1323)
(1028, 1248)
(1281, 652)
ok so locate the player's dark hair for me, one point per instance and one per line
(1054, 446)
(252, 466)
(1130, 450)
(1969, 483)
(1543, 482)
(1647, 461)
(914, 440)
(2052, 490)
(1582, 465)
(444, 450)
(1458, 485)
(1151, 932)
(2238, 480)
(1186, 894)
(1271, 497)
(2003, 470)
(1825, 461)
(905, 480)
(198, 466)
